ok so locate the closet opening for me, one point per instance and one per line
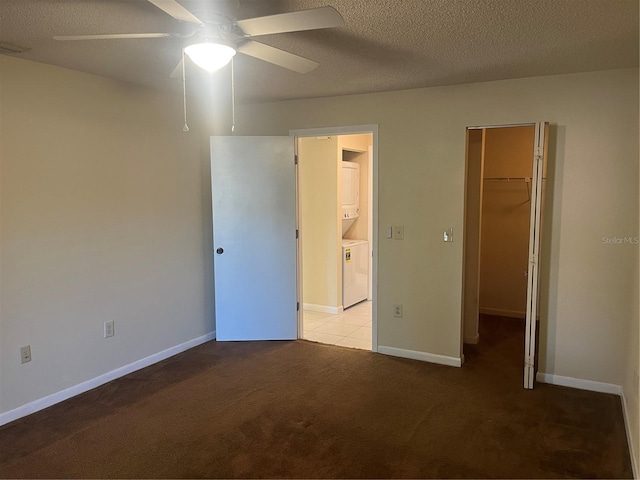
(505, 183)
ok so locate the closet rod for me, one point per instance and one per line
(508, 179)
(526, 180)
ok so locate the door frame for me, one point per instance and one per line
(333, 131)
(538, 172)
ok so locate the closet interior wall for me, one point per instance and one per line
(506, 209)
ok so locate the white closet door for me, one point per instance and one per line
(533, 276)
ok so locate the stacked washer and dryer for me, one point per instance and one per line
(355, 253)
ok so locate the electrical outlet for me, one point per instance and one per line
(397, 310)
(398, 233)
(109, 330)
(25, 354)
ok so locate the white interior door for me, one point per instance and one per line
(533, 275)
(254, 237)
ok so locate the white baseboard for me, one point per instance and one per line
(472, 339)
(501, 312)
(87, 385)
(579, 383)
(424, 356)
(627, 426)
(322, 308)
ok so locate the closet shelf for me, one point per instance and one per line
(526, 180)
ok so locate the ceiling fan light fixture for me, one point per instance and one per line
(210, 56)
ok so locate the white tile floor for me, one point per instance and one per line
(351, 328)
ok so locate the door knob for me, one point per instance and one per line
(219, 251)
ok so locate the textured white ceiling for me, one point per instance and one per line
(385, 44)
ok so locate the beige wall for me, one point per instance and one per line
(358, 142)
(506, 208)
(105, 216)
(318, 176)
(592, 187)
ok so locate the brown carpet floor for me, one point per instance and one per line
(305, 410)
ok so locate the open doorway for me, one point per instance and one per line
(336, 204)
(504, 201)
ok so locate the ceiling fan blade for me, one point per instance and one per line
(315, 18)
(112, 36)
(277, 57)
(177, 11)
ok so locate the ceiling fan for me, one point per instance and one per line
(212, 44)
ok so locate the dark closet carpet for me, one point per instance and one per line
(305, 410)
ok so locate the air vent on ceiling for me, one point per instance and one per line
(12, 49)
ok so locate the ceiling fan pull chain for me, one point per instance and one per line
(233, 99)
(184, 94)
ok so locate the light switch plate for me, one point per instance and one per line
(447, 236)
(109, 329)
(398, 233)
